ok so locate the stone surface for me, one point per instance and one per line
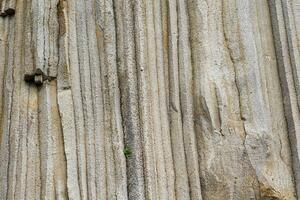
(150, 99)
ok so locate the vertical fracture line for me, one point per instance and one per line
(287, 82)
(52, 38)
(46, 57)
(44, 120)
(33, 181)
(144, 87)
(77, 99)
(59, 159)
(14, 60)
(38, 9)
(186, 99)
(109, 151)
(293, 47)
(86, 96)
(163, 117)
(46, 143)
(151, 70)
(198, 14)
(97, 94)
(198, 24)
(66, 111)
(45, 100)
(21, 161)
(102, 150)
(130, 105)
(3, 47)
(109, 154)
(52, 30)
(8, 86)
(65, 105)
(114, 98)
(181, 176)
(129, 97)
(164, 16)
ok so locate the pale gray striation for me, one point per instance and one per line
(150, 99)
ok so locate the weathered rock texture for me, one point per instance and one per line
(150, 99)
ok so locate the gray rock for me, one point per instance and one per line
(150, 99)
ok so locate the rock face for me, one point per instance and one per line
(150, 99)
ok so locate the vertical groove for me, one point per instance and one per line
(181, 184)
(114, 99)
(186, 101)
(76, 98)
(285, 69)
(161, 63)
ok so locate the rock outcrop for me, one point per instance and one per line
(150, 99)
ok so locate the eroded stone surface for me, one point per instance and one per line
(150, 99)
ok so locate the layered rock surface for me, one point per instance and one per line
(150, 99)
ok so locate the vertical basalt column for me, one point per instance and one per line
(287, 59)
(42, 43)
(44, 46)
(175, 117)
(149, 99)
(293, 45)
(185, 70)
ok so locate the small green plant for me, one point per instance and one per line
(127, 152)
